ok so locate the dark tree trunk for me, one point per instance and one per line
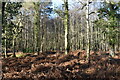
(3, 20)
(14, 55)
(3, 10)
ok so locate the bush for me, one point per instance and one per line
(27, 50)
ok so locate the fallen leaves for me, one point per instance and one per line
(59, 66)
(90, 70)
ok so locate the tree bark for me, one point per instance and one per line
(14, 55)
(3, 17)
(66, 25)
(88, 41)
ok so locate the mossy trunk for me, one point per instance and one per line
(66, 26)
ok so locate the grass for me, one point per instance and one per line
(20, 55)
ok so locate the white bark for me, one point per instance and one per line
(87, 21)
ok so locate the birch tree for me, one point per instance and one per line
(87, 37)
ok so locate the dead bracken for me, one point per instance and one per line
(61, 67)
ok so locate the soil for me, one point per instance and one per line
(58, 66)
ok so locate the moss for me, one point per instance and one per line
(20, 55)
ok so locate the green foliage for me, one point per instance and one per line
(109, 9)
(9, 27)
(11, 10)
(109, 28)
(13, 7)
(27, 50)
(108, 22)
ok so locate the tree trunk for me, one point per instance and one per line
(66, 25)
(3, 16)
(3, 10)
(5, 45)
(33, 47)
(87, 21)
(14, 55)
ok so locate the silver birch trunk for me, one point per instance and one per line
(87, 21)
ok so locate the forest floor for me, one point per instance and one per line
(58, 66)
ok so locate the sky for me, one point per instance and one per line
(57, 3)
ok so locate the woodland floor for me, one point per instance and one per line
(58, 66)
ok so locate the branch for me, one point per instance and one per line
(91, 13)
(84, 5)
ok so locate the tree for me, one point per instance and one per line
(3, 19)
(10, 10)
(108, 18)
(37, 25)
(88, 39)
(66, 25)
(42, 10)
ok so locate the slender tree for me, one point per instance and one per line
(88, 39)
(37, 25)
(66, 26)
(3, 22)
(9, 11)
